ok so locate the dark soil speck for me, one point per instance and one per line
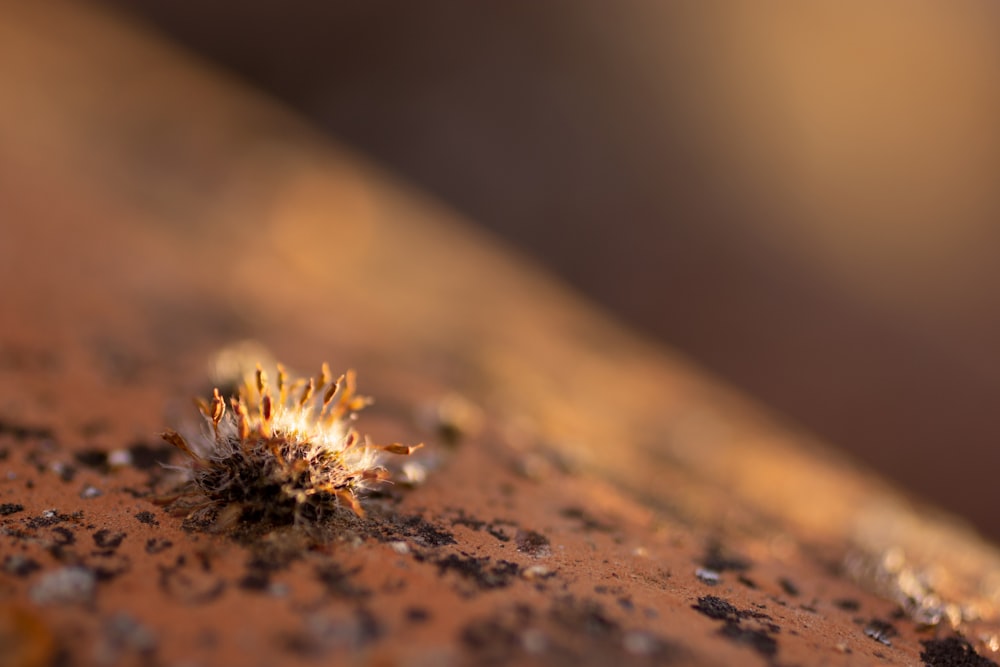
(255, 580)
(571, 632)
(63, 536)
(414, 527)
(147, 457)
(105, 539)
(156, 545)
(532, 543)
(93, 458)
(788, 586)
(147, 518)
(952, 652)
(717, 608)
(51, 518)
(338, 582)
(417, 615)
(24, 431)
(590, 523)
(7, 509)
(758, 636)
(718, 559)
(759, 640)
(479, 570)
(20, 566)
(108, 564)
(469, 522)
(880, 631)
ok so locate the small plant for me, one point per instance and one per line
(289, 457)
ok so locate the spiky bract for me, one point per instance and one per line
(287, 457)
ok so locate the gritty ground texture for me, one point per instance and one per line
(583, 497)
(500, 567)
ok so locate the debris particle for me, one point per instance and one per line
(720, 560)
(190, 585)
(457, 417)
(147, 457)
(256, 580)
(321, 634)
(124, 635)
(89, 492)
(717, 608)
(119, 458)
(92, 458)
(50, 517)
(638, 642)
(590, 523)
(25, 432)
(63, 536)
(788, 586)
(338, 582)
(147, 518)
(414, 474)
(759, 640)
(479, 570)
(847, 604)
(536, 573)
(400, 547)
(532, 543)
(952, 652)
(420, 531)
(65, 471)
(20, 566)
(155, 545)
(7, 509)
(105, 539)
(417, 615)
(109, 564)
(710, 577)
(68, 585)
(880, 631)
(534, 641)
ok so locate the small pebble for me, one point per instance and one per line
(710, 577)
(637, 642)
(534, 641)
(414, 473)
(536, 572)
(123, 635)
(68, 585)
(119, 458)
(90, 492)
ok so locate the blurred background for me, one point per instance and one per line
(802, 197)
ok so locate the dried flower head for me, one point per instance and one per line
(286, 457)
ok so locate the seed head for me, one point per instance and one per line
(283, 454)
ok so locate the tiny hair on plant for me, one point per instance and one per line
(286, 454)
